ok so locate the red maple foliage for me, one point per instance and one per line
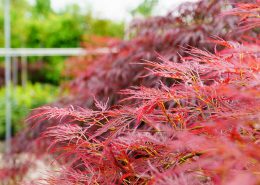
(167, 35)
(185, 116)
(202, 129)
(249, 13)
(94, 46)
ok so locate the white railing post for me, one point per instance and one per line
(8, 110)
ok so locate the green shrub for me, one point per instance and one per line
(23, 100)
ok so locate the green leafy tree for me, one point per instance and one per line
(23, 100)
(43, 7)
(145, 9)
(103, 27)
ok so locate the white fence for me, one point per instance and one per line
(12, 54)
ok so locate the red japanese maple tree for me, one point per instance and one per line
(188, 113)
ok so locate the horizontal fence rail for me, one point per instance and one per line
(16, 52)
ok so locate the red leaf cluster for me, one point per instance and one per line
(249, 14)
(186, 116)
(202, 129)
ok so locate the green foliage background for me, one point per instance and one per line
(23, 100)
(38, 26)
